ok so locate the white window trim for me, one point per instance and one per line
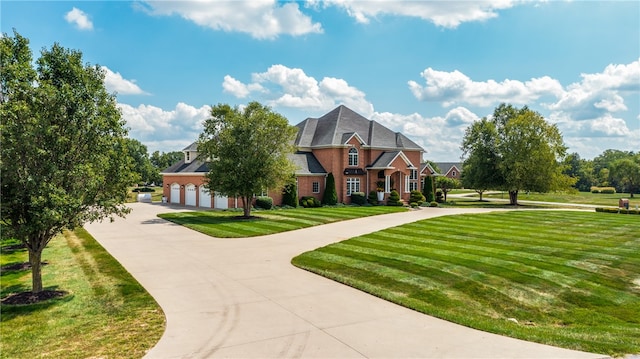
(315, 187)
(353, 154)
(353, 185)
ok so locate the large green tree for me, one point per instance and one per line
(626, 171)
(480, 169)
(248, 148)
(526, 152)
(142, 165)
(64, 160)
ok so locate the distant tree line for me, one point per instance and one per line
(149, 167)
(612, 168)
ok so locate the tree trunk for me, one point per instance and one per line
(480, 193)
(246, 206)
(513, 198)
(445, 195)
(35, 259)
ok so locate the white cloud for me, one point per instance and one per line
(262, 19)
(114, 82)
(154, 126)
(79, 18)
(292, 87)
(447, 14)
(440, 136)
(600, 93)
(455, 87)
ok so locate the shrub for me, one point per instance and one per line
(309, 202)
(427, 189)
(373, 197)
(439, 196)
(143, 189)
(417, 197)
(264, 202)
(358, 198)
(433, 204)
(330, 196)
(618, 210)
(289, 195)
(603, 190)
(394, 199)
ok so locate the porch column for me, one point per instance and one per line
(387, 181)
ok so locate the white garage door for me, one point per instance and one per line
(221, 202)
(205, 197)
(190, 195)
(175, 193)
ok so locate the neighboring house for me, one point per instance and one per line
(359, 152)
(450, 169)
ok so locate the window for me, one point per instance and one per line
(453, 173)
(353, 157)
(413, 186)
(316, 187)
(414, 174)
(353, 185)
(188, 154)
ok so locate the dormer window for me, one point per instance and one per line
(187, 157)
(353, 157)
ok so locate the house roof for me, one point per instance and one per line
(445, 167)
(195, 166)
(339, 125)
(385, 160)
(425, 165)
(306, 164)
(192, 147)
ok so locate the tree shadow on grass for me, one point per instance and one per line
(212, 220)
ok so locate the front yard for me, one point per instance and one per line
(568, 279)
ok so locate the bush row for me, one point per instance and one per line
(604, 190)
(143, 189)
(618, 210)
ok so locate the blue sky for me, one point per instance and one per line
(424, 68)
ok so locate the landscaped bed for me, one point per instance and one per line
(225, 224)
(102, 311)
(569, 279)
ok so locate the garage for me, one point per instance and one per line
(175, 193)
(205, 197)
(190, 195)
(221, 202)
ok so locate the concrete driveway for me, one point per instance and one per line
(242, 298)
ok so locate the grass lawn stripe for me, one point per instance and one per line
(540, 261)
(475, 271)
(221, 224)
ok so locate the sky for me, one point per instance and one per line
(427, 69)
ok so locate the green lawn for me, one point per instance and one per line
(598, 199)
(223, 224)
(107, 314)
(156, 196)
(570, 279)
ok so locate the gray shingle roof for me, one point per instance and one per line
(196, 166)
(446, 166)
(306, 163)
(337, 126)
(192, 147)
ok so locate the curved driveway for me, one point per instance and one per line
(242, 298)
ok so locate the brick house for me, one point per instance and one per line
(451, 169)
(362, 155)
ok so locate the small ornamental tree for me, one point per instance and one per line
(446, 184)
(427, 189)
(248, 148)
(330, 196)
(394, 199)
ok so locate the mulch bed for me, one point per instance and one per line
(32, 298)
